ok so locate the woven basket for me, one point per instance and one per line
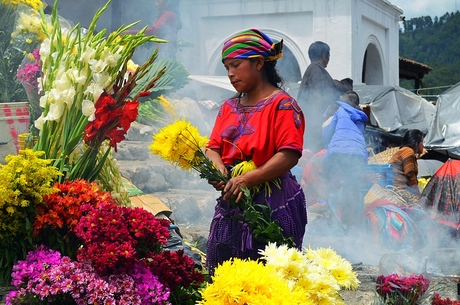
(377, 192)
(383, 157)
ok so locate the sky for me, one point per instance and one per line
(418, 8)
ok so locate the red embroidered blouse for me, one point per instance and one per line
(257, 132)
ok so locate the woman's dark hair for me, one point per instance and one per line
(272, 74)
(412, 138)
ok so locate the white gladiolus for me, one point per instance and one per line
(45, 48)
(79, 76)
(97, 66)
(95, 89)
(112, 60)
(43, 100)
(39, 122)
(103, 79)
(88, 109)
(55, 112)
(87, 55)
(62, 83)
(67, 96)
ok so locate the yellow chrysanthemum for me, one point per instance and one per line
(317, 275)
(340, 268)
(180, 144)
(247, 166)
(247, 282)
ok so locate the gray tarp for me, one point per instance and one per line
(444, 133)
(393, 108)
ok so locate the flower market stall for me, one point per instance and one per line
(68, 232)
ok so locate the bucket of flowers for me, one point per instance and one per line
(394, 289)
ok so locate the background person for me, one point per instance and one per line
(346, 155)
(405, 167)
(317, 91)
(264, 124)
(166, 26)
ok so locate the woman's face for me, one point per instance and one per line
(420, 147)
(243, 73)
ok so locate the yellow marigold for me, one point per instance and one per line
(247, 282)
(25, 180)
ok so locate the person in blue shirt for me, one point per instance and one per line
(346, 154)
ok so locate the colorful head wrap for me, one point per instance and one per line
(252, 43)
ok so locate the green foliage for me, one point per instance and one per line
(174, 77)
(10, 59)
(433, 42)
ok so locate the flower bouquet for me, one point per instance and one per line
(282, 276)
(400, 290)
(181, 144)
(87, 93)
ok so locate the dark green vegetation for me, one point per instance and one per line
(434, 42)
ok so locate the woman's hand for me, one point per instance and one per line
(232, 190)
(219, 185)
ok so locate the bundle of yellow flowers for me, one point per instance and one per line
(282, 276)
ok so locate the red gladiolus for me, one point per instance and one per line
(112, 121)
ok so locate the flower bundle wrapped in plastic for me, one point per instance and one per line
(401, 290)
(181, 144)
(282, 276)
(87, 92)
(28, 30)
(35, 4)
(11, 49)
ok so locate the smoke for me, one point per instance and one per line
(200, 55)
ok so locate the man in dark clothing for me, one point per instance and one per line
(316, 92)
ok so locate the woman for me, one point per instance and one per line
(263, 124)
(405, 167)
